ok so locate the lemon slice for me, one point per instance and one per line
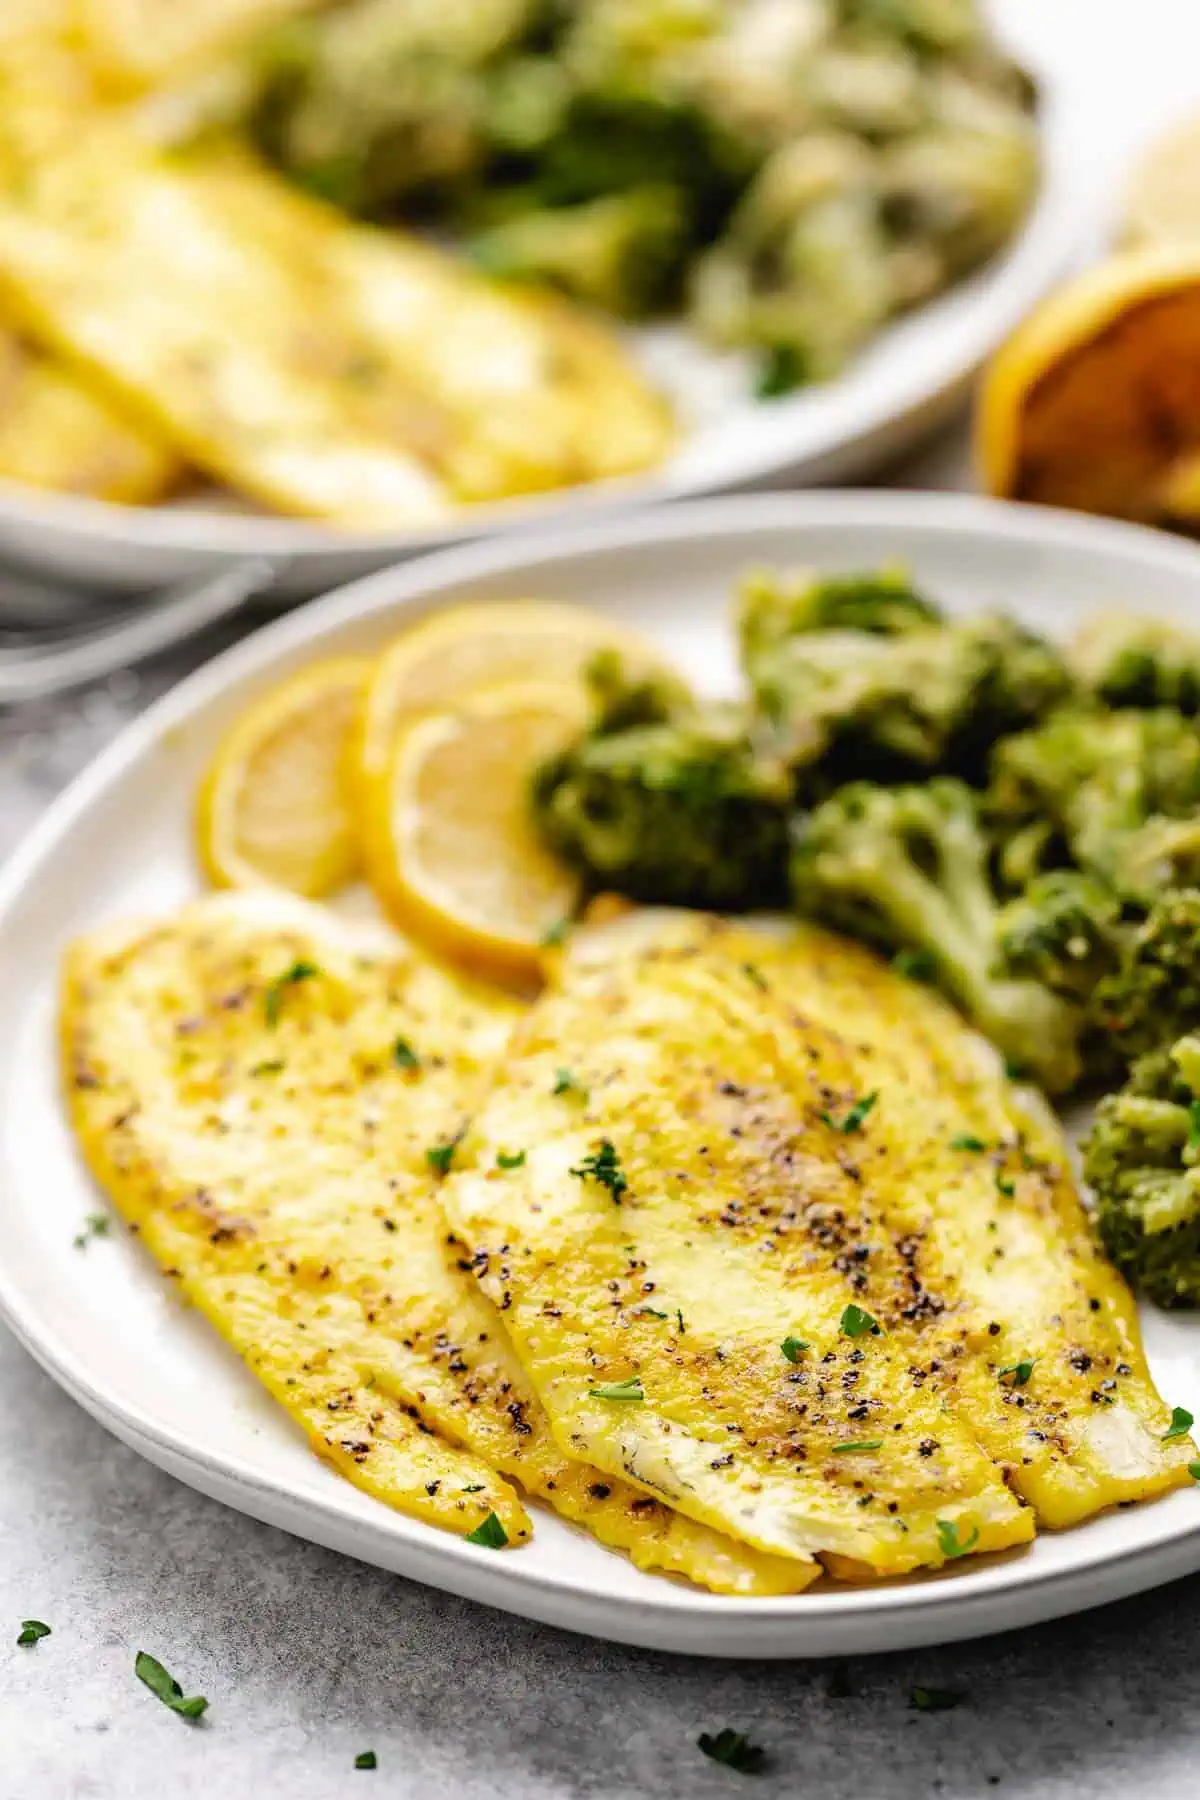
(1163, 206)
(1094, 403)
(275, 805)
(463, 867)
(440, 662)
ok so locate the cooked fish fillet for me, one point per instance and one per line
(719, 1072)
(329, 369)
(257, 1090)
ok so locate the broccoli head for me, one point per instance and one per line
(929, 699)
(1153, 995)
(683, 812)
(623, 252)
(773, 607)
(1125, 660)
(1113, 794)
(906, 869)
(1065, 931)
(1141, 1161)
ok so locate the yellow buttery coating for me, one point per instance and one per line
(279, 1170)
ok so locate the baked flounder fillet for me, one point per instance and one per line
(758, 1134)
(258, 1090)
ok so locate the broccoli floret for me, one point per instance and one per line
(686, 812)
(774, 607)
(1117, 792)
(1065, 931)
(623, 252)
(934, 699)
(623, 695)
(1153, 995)
(1130, 661)
(907, 869)
(1141, 1163)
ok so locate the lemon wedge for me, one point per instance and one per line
(275, 804)
(460, 865)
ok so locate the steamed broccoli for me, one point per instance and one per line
(907, 870)
(684, 812)
(1141, 1160)
(1126, 660)
(1112, 794)
(1065, 931)
(1153, 995)
(773, 607)
(929, 698)
(623, 252)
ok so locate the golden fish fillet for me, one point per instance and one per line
(752, 1164)
(326, 368)
(258, 1091)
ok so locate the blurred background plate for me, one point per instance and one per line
(904, 384)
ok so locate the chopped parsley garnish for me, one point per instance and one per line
(1193, 1137)
(441, 1156)
(861, 1444)
(951, 1544)
(629, 1391)
(273, 999)
(927, 1699)
(476, 1489)
(755, 974)
(1018, 1373)
(404, 1056)
(918, 965)
(734, 1750)
(792, 1348)
(166, 1688)
(32, 1631)
(566, 1083)
(491, 1534)
(1181, 1424)
(679, 1316)
(366, 1759)
(653, 1312)
(506, 1159)
(856, 1322)
(557, 935)
(967, 1141)
(604, 1165)
(1006, 1185)
(273, 1067)
(853, 1120)
(96, 1225)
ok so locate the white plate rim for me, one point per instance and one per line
(999, 1594)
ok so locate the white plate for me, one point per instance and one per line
(106, 1325)
(904, 383)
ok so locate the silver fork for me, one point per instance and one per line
(52, 639)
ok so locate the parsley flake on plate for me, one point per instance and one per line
(794, 1347)
(734, 1750)
(951, 1544)
(150, 1671)
(491, 1534)
(273, 998)
(1018, 1373)
(856, 1322)
(567, 1083)
(858, 1444)
(404, 1056)
(441, 1156)
(96, 1225)
(1181, 1424)
(629, 1391)
(366, 1759)
(32, 1631)
(604, 1166)
(510, 1160)
(966, 1140)
(853, 1120)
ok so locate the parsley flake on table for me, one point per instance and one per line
(151, 1672)
(793, 1348)
(491, 1534)
(404, 1056)
(510, 1160)
(858, 1444)
(96, 1225)
(927, 1699)
(273, 998)
(629, 1391)
(853, 1120)
(1018, 1373)
(366, 1759)
(967, 1140)
(856, 1322)
(951, 1544)
(734, 1750)
(1181, 1423)
(604, 1166)
(32, 1631)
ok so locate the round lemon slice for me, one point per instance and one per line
(1094, 403)
(275, 804)
(462, 866)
